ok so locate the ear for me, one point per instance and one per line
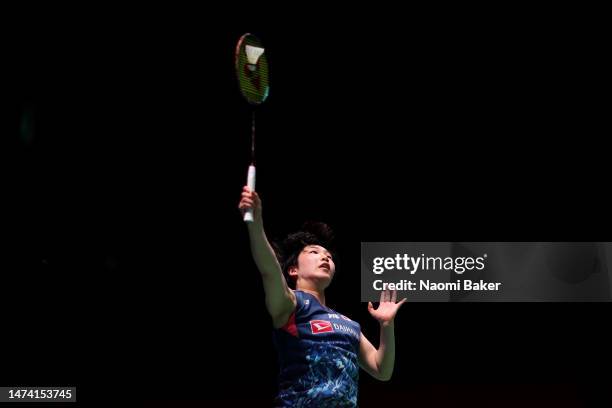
(293, 271)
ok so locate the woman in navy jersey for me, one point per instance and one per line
(320, 350)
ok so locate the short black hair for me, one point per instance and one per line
(311, 233)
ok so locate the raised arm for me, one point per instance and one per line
(280, 299)
(379, 362)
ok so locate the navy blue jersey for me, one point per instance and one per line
(318, 353)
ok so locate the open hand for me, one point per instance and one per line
(387, 308)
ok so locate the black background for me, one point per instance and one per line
(128, 272)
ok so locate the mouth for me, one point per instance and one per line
(325, 265)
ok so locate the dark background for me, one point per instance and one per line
(127, 270)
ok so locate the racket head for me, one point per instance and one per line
(252, 69)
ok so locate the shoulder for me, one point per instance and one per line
(283, 318)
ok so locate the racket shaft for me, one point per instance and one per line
(248, 215)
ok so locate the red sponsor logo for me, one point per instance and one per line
(320, 326)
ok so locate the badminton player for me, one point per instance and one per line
(320, 350)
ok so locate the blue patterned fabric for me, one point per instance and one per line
(318, 354)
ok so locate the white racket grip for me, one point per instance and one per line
(248, 215)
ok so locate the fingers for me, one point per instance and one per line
(252, 195)
(246, 202)
(370, 307)
(382, 296)
(246, 189)
(393, 296)
(248, 199)
(402, 302)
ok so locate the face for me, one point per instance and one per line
(314, 265)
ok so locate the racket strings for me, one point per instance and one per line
(251, 67)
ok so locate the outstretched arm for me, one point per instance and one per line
(280, 299)
(379, 362)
